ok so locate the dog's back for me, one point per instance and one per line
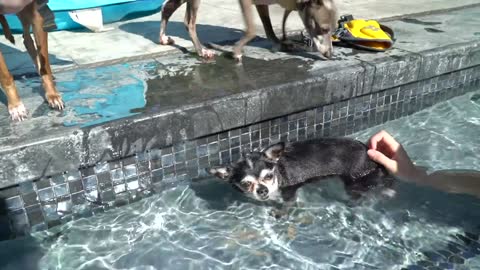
(322, 157)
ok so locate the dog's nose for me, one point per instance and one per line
(262, 191)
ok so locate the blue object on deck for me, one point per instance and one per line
(112, 11)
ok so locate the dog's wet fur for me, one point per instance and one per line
(279, 170)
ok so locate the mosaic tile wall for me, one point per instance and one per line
(51, 201)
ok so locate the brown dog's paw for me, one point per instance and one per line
(18, 113)
(166, 40)
(55, 101)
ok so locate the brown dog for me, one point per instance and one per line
(28, 13)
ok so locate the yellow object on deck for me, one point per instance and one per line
(364, 34)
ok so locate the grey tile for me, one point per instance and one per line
(35, 215)
(42, 183)
(30, 198)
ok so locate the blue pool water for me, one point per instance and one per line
(189, 226)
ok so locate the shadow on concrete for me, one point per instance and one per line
(209, 35)
(151, 29)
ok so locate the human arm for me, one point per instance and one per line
(385, 150)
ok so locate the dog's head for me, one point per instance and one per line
(319, 18)
(255, 173)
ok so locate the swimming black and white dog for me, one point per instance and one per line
(279, 170)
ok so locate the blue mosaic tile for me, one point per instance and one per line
(102, 167)
(133, 185)
(202, 150)
(72, 176)
(91, 195)
(60, 190)
(46, 195)
(90, 182)
(26, 187)
(130, 171)
(117, 175)
(119, 188)
(14, 203)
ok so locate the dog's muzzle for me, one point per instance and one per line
(262, 192)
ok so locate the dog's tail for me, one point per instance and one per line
(6, 29)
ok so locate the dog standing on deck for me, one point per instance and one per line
(279, 170)
(30, 13)
(318, 16)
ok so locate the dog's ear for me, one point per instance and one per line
(221, 172)
(274, 151)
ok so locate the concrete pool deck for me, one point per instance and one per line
(116, 111)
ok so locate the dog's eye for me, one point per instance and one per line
(268, 177)
(246, 185)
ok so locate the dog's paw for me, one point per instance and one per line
(237, 58)
(278, 214)
(207, 54)
(18, 113)
(166, 40)
(55, 101)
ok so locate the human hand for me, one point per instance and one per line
(384, 149)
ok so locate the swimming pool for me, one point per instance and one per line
(206, 225)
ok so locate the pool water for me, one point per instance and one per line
(207, 225)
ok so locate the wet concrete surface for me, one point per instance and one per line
(179, 97)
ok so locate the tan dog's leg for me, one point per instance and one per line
(246, 6)
(168, 9)
(39, 53)
(286, 13)
(264, 14)
(15, 106)
(267, 23)
(191, 25)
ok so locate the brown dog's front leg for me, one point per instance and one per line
(15, 106)
(246, 6)
(6, 29)
(30, 16)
